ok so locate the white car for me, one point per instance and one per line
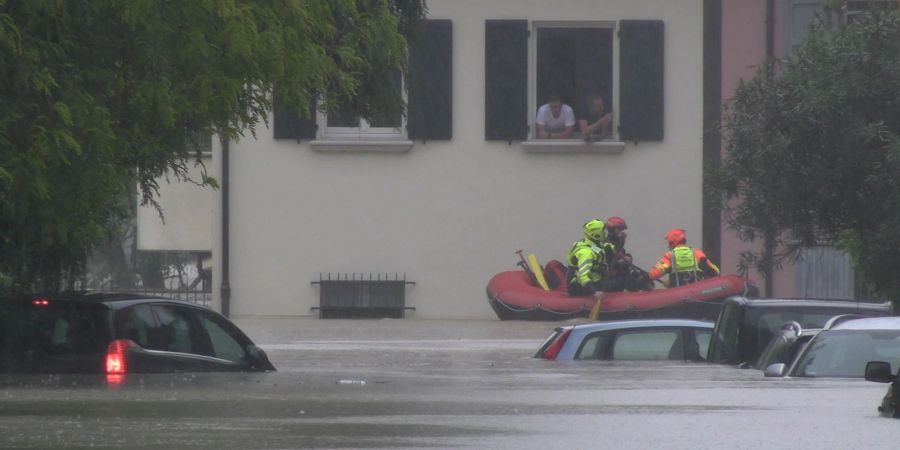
(844, 349)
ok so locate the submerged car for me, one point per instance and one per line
(785, 345)
(91, 332)
(745, 326)
(844, 350)
(790, 340)
(631, 340)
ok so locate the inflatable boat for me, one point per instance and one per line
(516, 295)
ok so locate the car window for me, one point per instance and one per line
(724, 344)
(702, 337)
(648, 345)
(593, 345)
(844, 353)
(224, 344)
(180, 331)
(767, 324)
(136, 323)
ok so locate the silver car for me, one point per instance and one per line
(629, 340)
(842, 350)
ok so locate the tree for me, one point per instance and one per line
(101, 95)
(813, 149)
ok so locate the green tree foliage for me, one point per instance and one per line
(101, 95)
(813, 149)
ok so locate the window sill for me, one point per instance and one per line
(373, 145)
(572, 146)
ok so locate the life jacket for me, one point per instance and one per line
(685, 267)
(598, 268)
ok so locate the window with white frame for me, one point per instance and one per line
(345, 123)
(573, 60)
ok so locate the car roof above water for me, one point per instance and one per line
(870, 323)
(826, 303)
(113, 300)
(642, 323)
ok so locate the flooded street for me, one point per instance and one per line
(439, 384)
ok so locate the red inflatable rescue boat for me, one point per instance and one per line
(515, 295)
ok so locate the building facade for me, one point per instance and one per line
(447, 195)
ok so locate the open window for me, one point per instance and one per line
(575, 61)
(621, 61)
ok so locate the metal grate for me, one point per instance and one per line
(355, 296)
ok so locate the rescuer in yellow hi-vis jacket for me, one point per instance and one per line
(588, 268)
(683, 264)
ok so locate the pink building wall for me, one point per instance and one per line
(743, 49)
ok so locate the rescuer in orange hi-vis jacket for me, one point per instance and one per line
(683, 264)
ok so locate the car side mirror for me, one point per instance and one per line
(258, 358)
(775, 370)
(879, 372)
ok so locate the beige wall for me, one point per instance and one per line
(188, 212)
(451, 214)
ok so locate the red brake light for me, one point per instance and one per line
(554, 348)
(115, 356)
(40, 302)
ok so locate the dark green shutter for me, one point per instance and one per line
(641, 74)
(506, 80)
(287, 124)
(430, 81)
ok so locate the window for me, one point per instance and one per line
(702, 338)
(137, 324)
(593, 346)
(430, 105)
(224, 345)
(179, 331)
(344, 122)
(526, 60)
(799, 15)
(199, 143)
(648, 345)
(575, 61)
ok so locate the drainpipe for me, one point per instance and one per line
(770, 234)
(770, 30)
(712, 117)
(225, 288)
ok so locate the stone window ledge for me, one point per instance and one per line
(348, 145)
(572, 146)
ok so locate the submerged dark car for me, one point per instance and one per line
(746, 326)
(91, 332)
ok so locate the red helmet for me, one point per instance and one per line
(616, 222)
(676, 236)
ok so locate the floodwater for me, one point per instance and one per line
(439, 384)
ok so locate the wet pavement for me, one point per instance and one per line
(438, 384)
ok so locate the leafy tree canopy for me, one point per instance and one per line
(813, 148)
(102, 95)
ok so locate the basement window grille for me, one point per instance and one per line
(355, 296)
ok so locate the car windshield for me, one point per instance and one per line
(48, 336)
(844, 353)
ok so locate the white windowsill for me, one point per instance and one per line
(352, 145)
(572, 146)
